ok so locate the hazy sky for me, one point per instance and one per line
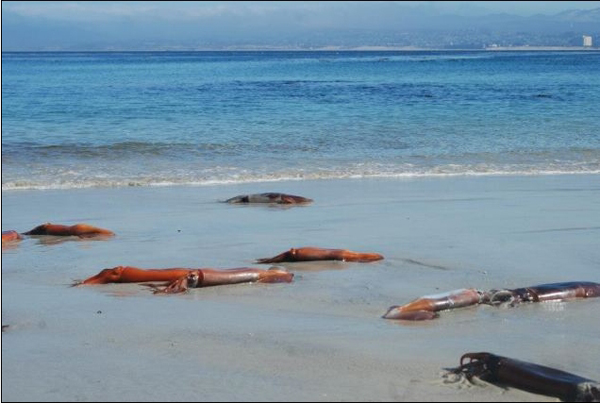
(40, 25)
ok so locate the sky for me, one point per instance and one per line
(47, 25)
(95, 10)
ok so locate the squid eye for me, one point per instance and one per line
(502, 297)
(192, 280)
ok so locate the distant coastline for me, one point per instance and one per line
(542, 48)
(404, 49)
(325, 49)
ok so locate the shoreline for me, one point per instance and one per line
(284, 180)
(326, 49)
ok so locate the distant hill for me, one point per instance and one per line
(380, 24)
(580, 16)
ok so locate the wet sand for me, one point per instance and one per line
(320, 337)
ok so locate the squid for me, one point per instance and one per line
(80, 230)
(425, 308)
(180, 280)
(527, 376)
(209, 277)
(278, 198)
(127, 274)
(311, 254)
(10, 236)
(544, 292)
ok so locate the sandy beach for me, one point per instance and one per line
(320, 338)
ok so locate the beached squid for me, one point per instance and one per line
(544, 292)
(426, 307)
(10, 236)
(311, 254)
(80, 230)
(179, 280)
(534, 378)
(277, 198)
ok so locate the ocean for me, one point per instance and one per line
(117, 119)
(463, 169)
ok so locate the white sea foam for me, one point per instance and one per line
(231, 179)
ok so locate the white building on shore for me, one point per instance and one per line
(587, 41)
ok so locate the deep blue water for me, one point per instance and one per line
(159, 118)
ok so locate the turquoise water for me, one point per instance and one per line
(74, 120)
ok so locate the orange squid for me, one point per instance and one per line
(80, 230)
(310, 254)
(10, 236)
(180, 280)
(425, 308)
